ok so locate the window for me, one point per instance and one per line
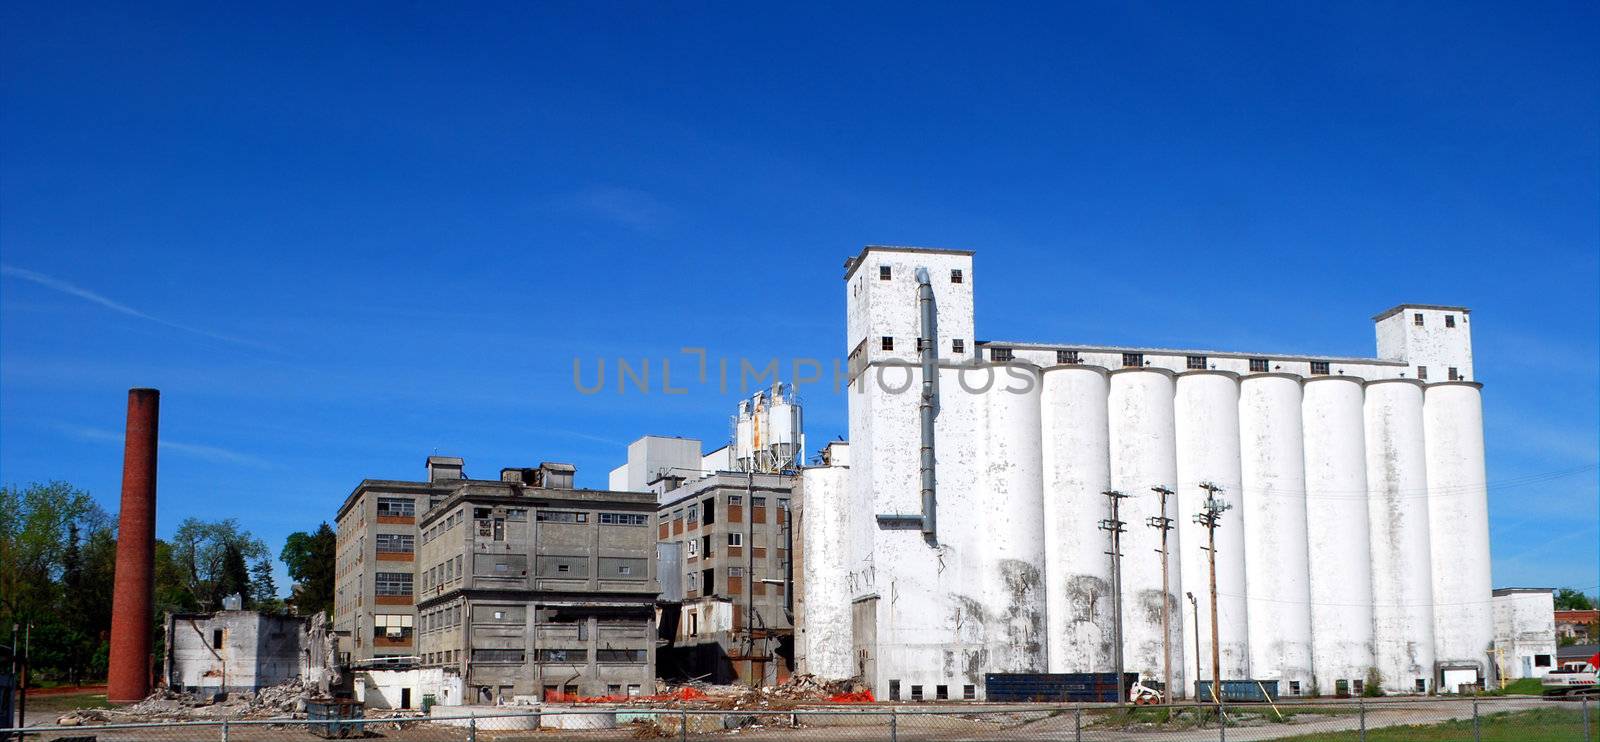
(396, 543)
(1416, 319)
(624, 569)
(560, 567)
(958, 346)
(624, 519)
(1294, 687)
(736, 571)
(1341, 688)
(619, 655)
(894, 690)
(393, 583)
(1454, 374)
(885, 273)
(941, 692)
(1258, 365)
(1359, 685)
(1541, 660)
(395, 627)
(955, 276)
(758, 502)
(1422, 685)
(1422, 372)
(916, 692)
(501, 655)
(694, 513)
(402, 506)
(578, 656)
(560, 516)
(1132, 360)
(1319, 368)
(969, 692)
(216, 638)
(1196, 362)
(736, 539)
(888, 343)
(517, 515)
(694, 548)
(1000, 355)
(735, 499)
(1449, 320)
(1068, 356)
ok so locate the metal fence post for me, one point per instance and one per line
(1222, 718)
(472, 729)
(1477, 733)
(894, 725)
(683, 725)
(1077, 724)
(1361, 706)
(1586, 737)
(224, 730)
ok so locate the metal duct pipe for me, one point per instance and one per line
(929, 345)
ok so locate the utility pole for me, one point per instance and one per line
(1164, 523)
(1209, 518)
(1115, 526)
(1195, 605)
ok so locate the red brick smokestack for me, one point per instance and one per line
(131, 607)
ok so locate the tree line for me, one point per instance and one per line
(58, 567)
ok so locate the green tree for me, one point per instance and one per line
(1568, 599)
(263, 588)
(46, 577)
(310, 559)
(210, 558)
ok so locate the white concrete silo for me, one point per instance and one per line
(1336, 523)
(1397, 514)
(1144, 455)
(1076, 472)
(824, 645)
(1277, 572)
(1011, 502)
(1458, 526)
(1207, 425)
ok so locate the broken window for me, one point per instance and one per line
(1258, 365)
(1132, 360)
(619, 655)
(955, 276)
(1000, 355)
(1067, 356)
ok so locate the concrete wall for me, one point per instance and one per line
(235, 651)
(1525, 632)
(822, 634)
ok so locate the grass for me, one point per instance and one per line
(1520, 687)
(1534, 725)
(67, 701)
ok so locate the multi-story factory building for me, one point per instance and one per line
(522, 586)
(1356, 545)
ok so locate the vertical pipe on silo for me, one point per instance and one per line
(128, 671)
(1207, 425)
(1277, 572)
(1076, 471)
(1397, 514)
(1458, 525)
(1336, 521)
(1143, 451)
(1013, 550)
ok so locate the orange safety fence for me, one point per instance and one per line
(681, 694)
(863, 696)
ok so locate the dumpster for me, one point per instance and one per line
(1239, 691)
(332, 718)
(1076, 687)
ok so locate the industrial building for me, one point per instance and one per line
(1524, 632)
(237, 651)
(521, 586)
(1354, 544)
(725, 536)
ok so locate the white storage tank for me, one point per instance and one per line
(1010, 501)
(1144, 455)
(1207, 426)
(1336, 520)
(1076, 473)
(824, 643)
(1458, 525)
(1397, 514)
(1277, 571)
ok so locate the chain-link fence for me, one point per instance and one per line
(1500, 719)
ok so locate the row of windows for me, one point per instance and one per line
(401, 506)
(443, 574)
(624, 519)
(940, 692)
(439, 658)
(886, 273)
(758, 501)
(441, 618)
(438, 529)
(561, 516)
(1449, 320)
(393, 583)
(1453, 373)
(396, 543)
(1136, 360)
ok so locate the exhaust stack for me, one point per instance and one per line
(134, 594)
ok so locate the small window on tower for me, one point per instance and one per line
(1000, 355)
(1454, 374)
(1319, 368)
(885, 273)
(1067, 356)
(1132, 360)
(1196, 362)
(1258, 365)
(1422, 372)
(958, 346)
(1416, 319)
(955, 276)
(1449, 320)
(969, 692)
(888, 343)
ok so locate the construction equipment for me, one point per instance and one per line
(1579, 677)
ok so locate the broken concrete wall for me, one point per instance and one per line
(234, 651)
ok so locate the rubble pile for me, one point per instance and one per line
(278, 701)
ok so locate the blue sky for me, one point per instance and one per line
(342, 239)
